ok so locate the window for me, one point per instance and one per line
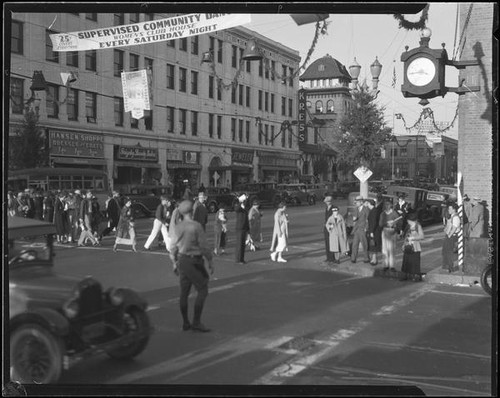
(91, 60)
(183, 44)
(290, 139)
(170, 119)
(91, 16)
(273, 69)
(149, 16)
(266, 134)
(260, 100)
(52, 101)
(119, 19)
(247, 131)
(291, 77)
(16, 40)
(50, 55)
(118, 63)
(272, 135)
(212, 44)
(72, 58)
(219, 51)
(148, 120)
(134, 62)
(219, 127)
(283, 106)
(234, 56)
(72, 104)
(248, 97)
(240, 130)
(233, 94)
(233, 128)
(319, 106)
(194, 82)
(211, 125)
(171, 76)
(283, 138)
(240, 94)
(290, 107)
(134, 17)
(182, 79)
(171, 43)
(266, 101)
(182, 121)
(148, 64)
(329, 106)
(259, 132)
(242, 51)
(17, 95)
(316, 134)
(272, 103)
(194, 123)
(249, 69)
(194, 44)
(219, 93)
(91, 107)
(260, 68)
(210, 86)
(266, 74)
(134, 123)
(283, 74)
(119, 109)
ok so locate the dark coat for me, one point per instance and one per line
(200, 213)
(242, 223)
(113, 210)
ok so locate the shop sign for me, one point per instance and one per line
(174, 154)
(75, 144)
(137, 153)
(301, 116)
(190, 157)
(242, 157)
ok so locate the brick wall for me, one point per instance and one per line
(475, 127)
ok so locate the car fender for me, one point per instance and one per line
(46, 317)
(132, 299)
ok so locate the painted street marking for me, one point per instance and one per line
(461, 294)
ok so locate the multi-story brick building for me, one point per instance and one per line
(196, 129)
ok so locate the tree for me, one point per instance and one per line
(362, 132)
(27, 147)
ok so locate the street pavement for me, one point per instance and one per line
(299, 323)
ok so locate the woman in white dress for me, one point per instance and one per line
(279, 242)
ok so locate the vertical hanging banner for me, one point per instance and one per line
(146, 32)
(136, 93)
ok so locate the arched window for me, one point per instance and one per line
(308, 104)
(319, 106)
(329, 106)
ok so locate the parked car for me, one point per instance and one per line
(145, 198)
(265, 192)
(57, 320)
(436, 203)
(296, 194)
(318, 190)
(451, 190)
(417, 198)
(220, 197)
(345, 187)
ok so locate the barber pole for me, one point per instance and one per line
(461, 229)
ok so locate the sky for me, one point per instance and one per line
(366, 36)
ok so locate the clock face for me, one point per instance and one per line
(421, 71)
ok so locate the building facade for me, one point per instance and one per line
(210, 122)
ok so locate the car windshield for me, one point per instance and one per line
(25, 250)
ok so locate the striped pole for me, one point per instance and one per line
(461, 229)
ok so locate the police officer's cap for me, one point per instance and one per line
(186, 207)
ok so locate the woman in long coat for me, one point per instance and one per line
(279, 242)
(254, 220)
(61, 218)
(126, 227)
(336, 227)
(48, 207)
(411, 260)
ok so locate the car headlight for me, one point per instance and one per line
(115, 296)
(71, 308)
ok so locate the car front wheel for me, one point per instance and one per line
(136, 321)
(36, 355)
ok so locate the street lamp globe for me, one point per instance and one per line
(426, 32)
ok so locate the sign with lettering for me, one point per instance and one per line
(137, 153)
(191, 157)
(75, 144)
(242, 156)
(301, 115)
(174, 154)
(363, 173)
(136, 93)
(146, 32)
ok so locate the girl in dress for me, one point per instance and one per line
(220, 230)
(411, 259)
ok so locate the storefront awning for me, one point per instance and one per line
(233, 167)
(286, 168)
(64, 160)
(146, 165)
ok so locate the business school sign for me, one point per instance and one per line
(137, 153)
(301, 116)
(75, 144)
(146, 32)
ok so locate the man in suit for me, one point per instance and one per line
(241, 229)
(113, 212)
(360, 219)
(200, 212)
(328, 213)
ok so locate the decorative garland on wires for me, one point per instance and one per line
(428, 113)
(403, 23)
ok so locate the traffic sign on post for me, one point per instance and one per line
(363, 173)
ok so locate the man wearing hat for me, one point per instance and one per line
(328, 201)
(241, 229)
(200, 211)
(360, 219)
(188, 249)
(476, 220)
(113, 210)
(402, 208)
(162, 220)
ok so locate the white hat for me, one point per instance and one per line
(243, 197)
(78, 192)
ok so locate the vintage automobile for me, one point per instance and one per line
(318, 190)
(345, 187)
(296, 194)
(265, 192)
(417, 198)
(145, 198)
(220, 197)
(57, 320)
(450, 190)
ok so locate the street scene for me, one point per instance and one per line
(209, 204)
